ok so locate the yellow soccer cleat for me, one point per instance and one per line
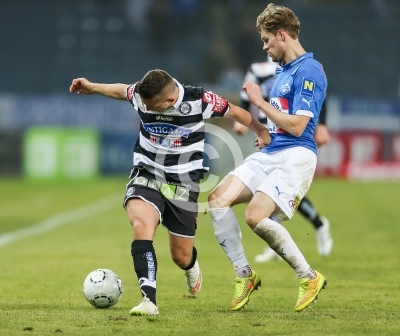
(309, 290)
(243, 288)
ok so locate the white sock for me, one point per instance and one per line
(279, 239)
(227, 231)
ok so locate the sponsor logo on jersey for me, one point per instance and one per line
(167, 135)
(219, 103)
(166, 141)
(164, 118)
(167, 130)
(308, 102)
(294, 203)
(281, 104)
(129, 92)
(185, 108)
(208, 97)
(307, 87)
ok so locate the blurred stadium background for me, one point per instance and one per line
(47, 133)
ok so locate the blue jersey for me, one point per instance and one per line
(299, 88)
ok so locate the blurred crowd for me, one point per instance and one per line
(204, 42)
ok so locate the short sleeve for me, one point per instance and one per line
(213, 105)
(130, 92)
(310, 89)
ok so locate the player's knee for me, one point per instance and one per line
(253, 216)
(213, 199)
(216, 199)
(143, 228)
(180, 258)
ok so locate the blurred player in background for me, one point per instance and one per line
(274, 181)
(263, 74)
(168, 164)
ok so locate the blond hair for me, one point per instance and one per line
(276, 17)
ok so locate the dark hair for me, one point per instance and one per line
(276, 17)
(153, 83)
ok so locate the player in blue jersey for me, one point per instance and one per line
(263, 74)
(275, 180)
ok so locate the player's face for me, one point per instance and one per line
(272, 45)
(156, 104)
(159, 103)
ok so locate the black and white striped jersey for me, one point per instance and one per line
(262, 74)
(171, 143)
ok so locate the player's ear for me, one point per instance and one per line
(281, 34)
(170, 99)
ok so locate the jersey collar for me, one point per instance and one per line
(180, 97)
(297, 60)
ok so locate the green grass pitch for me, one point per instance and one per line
(42, 273)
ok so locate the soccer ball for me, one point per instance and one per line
(102, 288)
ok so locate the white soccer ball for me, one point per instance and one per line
(102, 288)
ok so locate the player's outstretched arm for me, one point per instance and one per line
(83, 86)
(294, 124)
(245, 118)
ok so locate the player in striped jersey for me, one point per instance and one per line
(168, 164)
(263, 74)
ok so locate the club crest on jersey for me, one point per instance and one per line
(185, 108)
(307, 87)
(285, 88)
(130, 191)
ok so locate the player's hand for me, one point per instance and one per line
(81, 86)
(254, 93)
(263, 139)
(258, 143)
(321, 135)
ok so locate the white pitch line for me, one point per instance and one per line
(90, 210)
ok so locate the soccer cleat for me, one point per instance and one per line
(145, 307)
(268, 255)
(193, 279)
(309, 290)
(324, 238)
(243, 288)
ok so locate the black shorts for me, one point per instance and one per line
(175, 202)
